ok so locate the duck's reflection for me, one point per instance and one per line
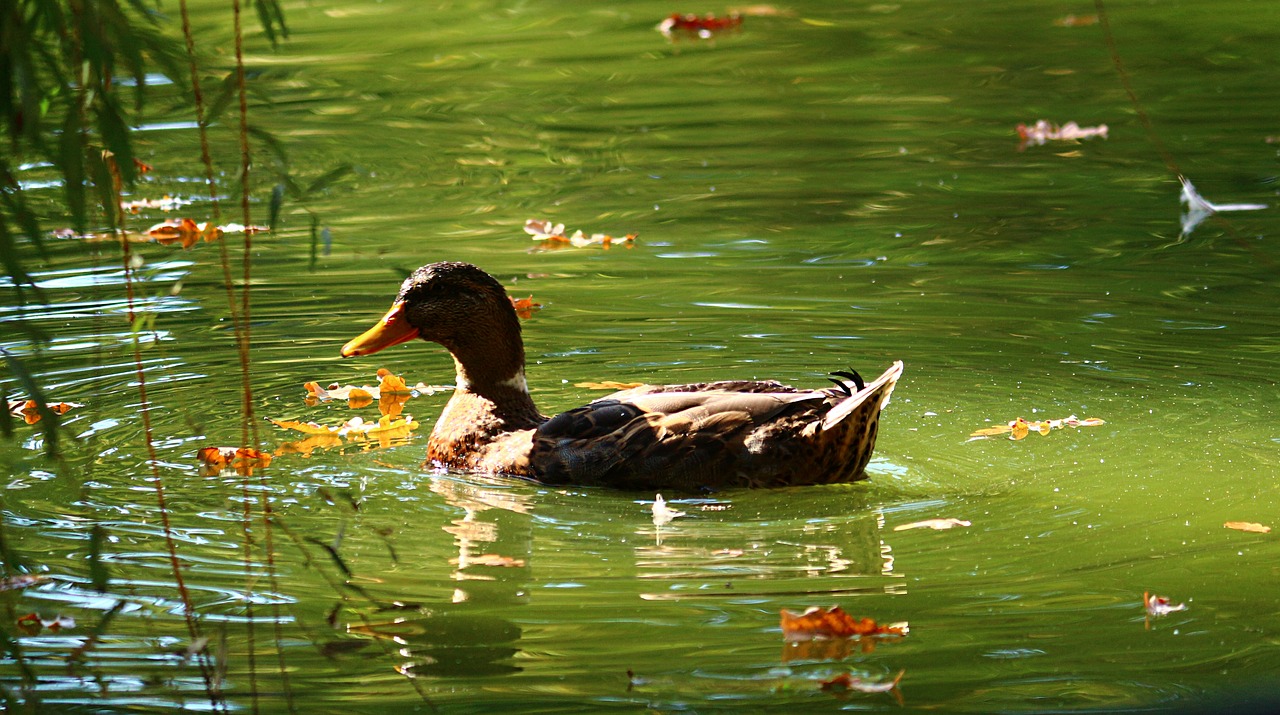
(717, 557)
(469, 633)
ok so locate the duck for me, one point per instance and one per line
(690, 438)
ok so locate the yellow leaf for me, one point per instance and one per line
(1248, 526)
(1019, 429)
(304, 427)
(937, 524)
(608, 385)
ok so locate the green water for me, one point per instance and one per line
(837, 186)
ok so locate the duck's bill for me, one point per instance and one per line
(393, 329)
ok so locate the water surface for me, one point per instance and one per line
(828, 187)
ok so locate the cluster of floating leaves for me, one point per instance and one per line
(1020, 428)
(391, 393)
(213, 460)
(829, 633)
(186, 231)
(816, 633)
(553, 235)
(29, 410)
(166, 204)
(1042, 132)
(692, 26)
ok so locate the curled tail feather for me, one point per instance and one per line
(879, 389)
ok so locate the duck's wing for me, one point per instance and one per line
(666, 436)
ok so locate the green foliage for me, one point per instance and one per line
(72, 75)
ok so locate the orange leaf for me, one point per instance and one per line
(216, 457)
(833, 623)
(358, 398)
(1248, 526)
(1019, 429)
(525, 307)
(29, 410)
(390, 383)
(244, 460)
(248, 459)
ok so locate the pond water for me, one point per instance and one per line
(828, 186)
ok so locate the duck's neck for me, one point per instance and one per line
(490, 378)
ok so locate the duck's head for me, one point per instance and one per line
(457, 305)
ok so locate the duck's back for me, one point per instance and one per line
(713, 435)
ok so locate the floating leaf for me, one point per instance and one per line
(702, 27)
(488, 560)
(185, 231)
(389, 383)
(29, 624)
(553, 235)
(846, 682)
(357, 397)
(936, 524)
(1076, 21)
(1160, 605)
(662, 514)
(22, 580)
(525, 307)
(608, 385)
(355, 429)
(168, 203)
(32, 624)
(303, 427)
(243, 459)
(1042, 131)
(29, 410)
(1248, 526)
(818, 622)
(1020, 428)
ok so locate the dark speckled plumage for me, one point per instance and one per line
(716, 434)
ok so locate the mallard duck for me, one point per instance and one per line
(686, 437)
